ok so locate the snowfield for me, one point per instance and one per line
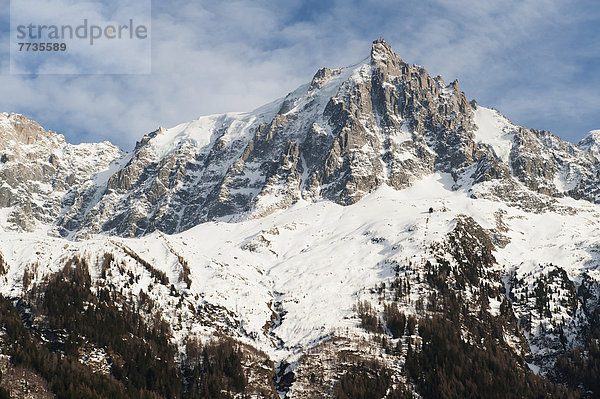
(287, 281)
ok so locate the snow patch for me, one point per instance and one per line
(494, 130)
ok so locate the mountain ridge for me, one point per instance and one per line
(337, 138)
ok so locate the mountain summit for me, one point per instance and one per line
(591, 143)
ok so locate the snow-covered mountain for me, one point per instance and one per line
(295, 228)
(338, 138)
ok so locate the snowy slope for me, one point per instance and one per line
(204, 131)
(494, 130)
(312, 262)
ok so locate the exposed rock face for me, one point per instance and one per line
(40, 173)
(340, 137)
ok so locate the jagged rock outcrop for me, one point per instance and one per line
(41, 174)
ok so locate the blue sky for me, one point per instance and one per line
(536, 61)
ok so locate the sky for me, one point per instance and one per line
(536, 61)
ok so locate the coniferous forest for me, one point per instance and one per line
(143, 359)
(47, 331)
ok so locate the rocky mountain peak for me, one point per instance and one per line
(591, 143)
(41, 173)
(320, 78)
(18, 129)
(381, 50)
(384, 58)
